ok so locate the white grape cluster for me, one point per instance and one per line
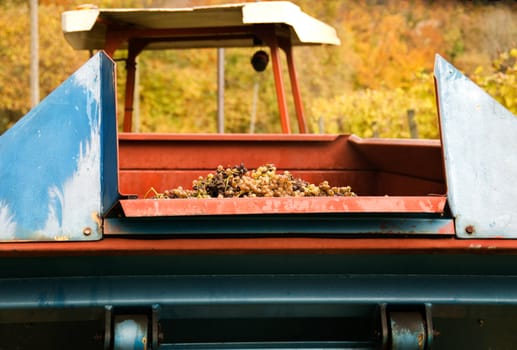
(261, 182)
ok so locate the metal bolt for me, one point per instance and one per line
(87, 231)
(420, 339)
(469, 229)
(481, 322)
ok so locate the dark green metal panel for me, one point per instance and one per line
(424, 224)
(304, 301)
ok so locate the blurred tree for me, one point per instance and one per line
(57, 59)
(500, 80)
(365, 86)
(14, 93)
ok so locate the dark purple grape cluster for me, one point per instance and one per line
(261, 182)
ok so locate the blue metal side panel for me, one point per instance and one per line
(109, 144)
(479, 138)
(58, 163)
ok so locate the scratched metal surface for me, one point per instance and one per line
(479, 139)
(58, 163)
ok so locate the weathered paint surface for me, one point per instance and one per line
(51, 161)
(130, 332)
(408, 331)
(479, 138)
(282, 205)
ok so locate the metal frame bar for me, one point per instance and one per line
(261, 245)
(278, 345)
(297, 98)
(280, 90)
(135, 48)
(264, 290)
(138, 39)
(277, 225)
(398, 207)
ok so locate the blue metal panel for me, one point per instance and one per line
(58, 163)
(479, 138)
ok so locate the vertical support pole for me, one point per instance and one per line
(130, 91)
(134, 48)
(429, 326)
(279, 84)
(108, 331)
(34, 65)
(302, 127)
(220, 90)
(413, 127)
(254, 102)
(384, 331)
(156, 335)
(136, 103)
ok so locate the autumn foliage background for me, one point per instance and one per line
(369, 85)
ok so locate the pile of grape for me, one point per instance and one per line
(261, 182)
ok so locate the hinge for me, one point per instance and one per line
(132, 328)
(406, 327)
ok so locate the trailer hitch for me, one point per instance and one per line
(132, 328)
(406, 327)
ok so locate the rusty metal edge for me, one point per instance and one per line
(282, 205)
(117, 246)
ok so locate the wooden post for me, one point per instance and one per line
(413, 128)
